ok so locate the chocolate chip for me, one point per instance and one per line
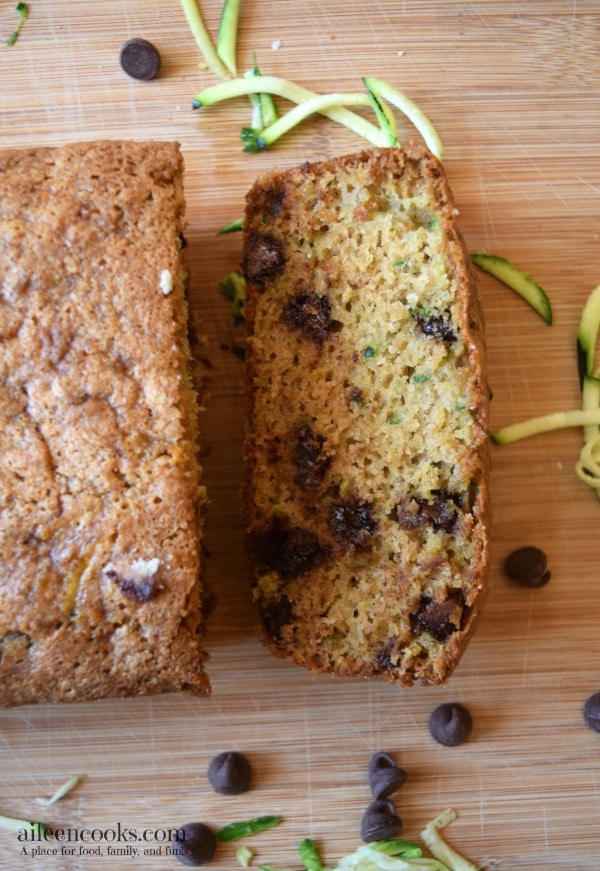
(385, 777)
(194, 844)
(435, 326)
(140, 59)
(408, 515)
(273, 200)
(352, 521)
(230, 773)
(383, 658)
(450, 724)
(289, 551)
(264, 258)
(308, 459)
(138, 587)
(528, 567)
(441, 512)
(380, 822)
(591, 712)
(435, 617)
(275, 615)
(309, 314)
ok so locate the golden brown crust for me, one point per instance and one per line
(99, 486)
(366, 496)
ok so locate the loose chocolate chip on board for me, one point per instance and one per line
(528, 567)
(230, 773)
(140, 59)
(450, 724)
(591, 712)
(380, 822)
(194, 844)
(385, 777)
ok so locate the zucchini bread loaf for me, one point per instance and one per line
(100, 498)
(366, 495)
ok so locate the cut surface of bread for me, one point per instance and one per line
(366, 491)
(100, 493)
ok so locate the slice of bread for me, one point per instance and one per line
(366, 493)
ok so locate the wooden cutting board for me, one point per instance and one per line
(514, 90)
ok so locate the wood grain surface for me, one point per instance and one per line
(514, 90)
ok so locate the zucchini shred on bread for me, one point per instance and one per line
(100, 493)
(366, 496)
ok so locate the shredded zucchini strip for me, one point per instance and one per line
(62, 790)
(440, 849)
(590, 399)
(546, 423)
(587, 335)
(14, 824)
(227, 35)
(203, 39)
(283, 125)
(296, 94)
(264, 110)
(588, 465)
(384, 91)
(385, 116)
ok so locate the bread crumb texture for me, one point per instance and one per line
(366, 495)
(100, 493)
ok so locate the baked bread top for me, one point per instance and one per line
(99, 487)
(366, 496)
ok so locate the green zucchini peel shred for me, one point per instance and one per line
(202, 37)
(227, 35)
(232, 227)
(384, 115)
(310, 856)
(233, 288)
(264, 110)
(587, 334)
(244, 829)
(517, 280)
(23, 12)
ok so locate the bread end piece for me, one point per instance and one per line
(100, 499)
(366, 492)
